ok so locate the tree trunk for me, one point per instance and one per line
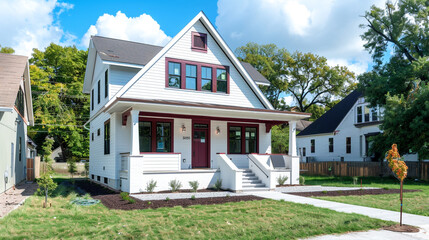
(46, 197)
(400, 220)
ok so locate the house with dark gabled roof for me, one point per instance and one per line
(188, 111)
(16, 113)
(343, 133)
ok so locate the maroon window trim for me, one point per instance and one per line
(199, 65)
(243, 137)
(196, 48)
(154, 121)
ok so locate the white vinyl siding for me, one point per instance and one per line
(152, 84)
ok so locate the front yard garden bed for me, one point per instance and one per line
(113, 200)
(358, 192)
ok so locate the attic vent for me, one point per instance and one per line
(199, 41)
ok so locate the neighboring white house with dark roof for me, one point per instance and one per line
(186, 111)
(16, 113)
(342, 133)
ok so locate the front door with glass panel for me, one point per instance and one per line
(200, 146)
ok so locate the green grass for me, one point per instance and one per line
(414, 202)
(243, 220)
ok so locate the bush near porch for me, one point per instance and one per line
(243, 220)
(414, 202)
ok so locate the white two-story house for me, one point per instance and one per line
(343, 132)
(187, 111)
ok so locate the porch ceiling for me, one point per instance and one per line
(206, 110)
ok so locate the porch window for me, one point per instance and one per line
(155, 135)
(359, 114)
(206, 78)
(221, 80)
(234, 139)
(331, 144)
(191, 77)
(348, 144)
(243, 139)
(107, 137)
(174, 75)
(250, 136)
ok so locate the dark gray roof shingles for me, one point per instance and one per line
(329, 121)
(123, 51)
(12, 68)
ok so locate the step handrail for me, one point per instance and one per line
(258, 166)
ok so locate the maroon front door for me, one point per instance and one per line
(200, 146)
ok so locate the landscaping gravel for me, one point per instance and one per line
(316, 188)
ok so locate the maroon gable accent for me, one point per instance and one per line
(199, 42)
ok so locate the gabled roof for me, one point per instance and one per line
(329, 121)
(14, 69)
(116, 50)
(302, 124)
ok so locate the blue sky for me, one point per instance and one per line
(329, 28)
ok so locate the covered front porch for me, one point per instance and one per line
(193, 143)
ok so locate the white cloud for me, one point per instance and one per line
(140, 29)
(28, 24)
(329, 28)
(289, 100)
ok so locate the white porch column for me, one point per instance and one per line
(135, 148)
(292, 138)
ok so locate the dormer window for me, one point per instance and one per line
(199, 42)
(365, 114)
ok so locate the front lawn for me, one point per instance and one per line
(414, 202)
(253, 219)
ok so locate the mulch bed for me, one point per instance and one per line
(113, 200)
(289, 185)
(183, 191)
(351, 192)
(403, 228)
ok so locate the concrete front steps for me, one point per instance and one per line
(252, 183)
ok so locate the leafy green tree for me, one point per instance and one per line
(71, 167)
(399, 83)
(312, 81)
(307, 77)
(280, 139)
(6, 50)
(46, 186)
(269, 60)
(60, 107)
(47, 149)
(86, 169)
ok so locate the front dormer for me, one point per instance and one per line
(366, 115)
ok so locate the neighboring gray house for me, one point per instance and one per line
(16, 113)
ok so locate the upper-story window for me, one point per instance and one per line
(92, 99)
(366, 114)
(199, 42)
(98, 91)
(174, 75)
(198, 76)
(106, 83)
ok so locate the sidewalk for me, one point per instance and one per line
(12, 199)
(410, 219)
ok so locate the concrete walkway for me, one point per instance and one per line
(12, 199)
(317, 188)
(410, 219)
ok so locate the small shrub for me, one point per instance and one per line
(124, 195)
(282, 200)
(355, 180)
(149, 203)
(301, 180)
(227, 195)
(151, 185)
(131, 200)
(167, 199)
(175, 185)
(325, 192)
(282, 179)
(193, 197)
(46, 187)
(71, 167)
(386, 188)
(218, 184)
(194, 185)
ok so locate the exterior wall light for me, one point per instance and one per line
(183, 128)
(217, 130)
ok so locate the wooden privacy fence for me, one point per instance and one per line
(363, 169)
